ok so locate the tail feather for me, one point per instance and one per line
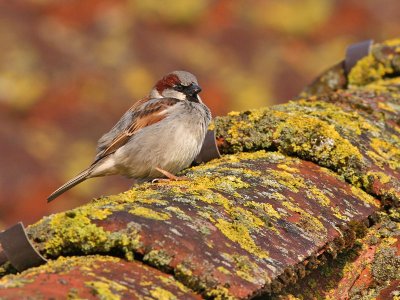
(70, 184)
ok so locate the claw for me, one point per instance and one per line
(170, 177)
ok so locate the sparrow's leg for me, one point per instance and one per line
(169, 176)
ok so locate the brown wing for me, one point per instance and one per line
(146, 113)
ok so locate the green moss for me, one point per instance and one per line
(394, 214)
(201, 188)
(158, 258)
(216, 192)
(245, 131)
(184, 273)
(386, 265)
(74, 232)
(74, 228)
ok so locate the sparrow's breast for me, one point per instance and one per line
(170, 144)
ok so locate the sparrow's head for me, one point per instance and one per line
(181, 85)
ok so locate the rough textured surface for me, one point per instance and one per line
(254, 223)
(368, 271)
(90, 277)
(382, 63)
(244, 224)
(354, 132)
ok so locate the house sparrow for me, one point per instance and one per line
(159, 135)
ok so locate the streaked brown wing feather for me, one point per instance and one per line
(144, 114)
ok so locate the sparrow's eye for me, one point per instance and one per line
(179, 88)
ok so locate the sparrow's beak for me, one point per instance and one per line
(193, 90)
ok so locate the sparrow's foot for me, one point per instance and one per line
(170, 176)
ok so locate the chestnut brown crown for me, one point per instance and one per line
(180, 85)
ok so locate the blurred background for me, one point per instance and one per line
(69, 69)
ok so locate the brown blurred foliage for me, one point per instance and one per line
(69, 69)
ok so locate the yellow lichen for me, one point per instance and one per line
(278, 196)
(236, 129)
(392, 43)
(257, 114)
(211, 126)
(380, 176)
(266, 207)
(168, 280)
(319, 195)
(246, 276)
(310, 223)
(385, 153)
(158, 258)
(287, 180)
(223, 270)
(162, 294)
(179, 213)
(325, 145)
(387, 107)
(152, 201)
(146, 283)
(337, 214)
(351, 121)
(62, 263)
(246, 217)
(13, 281)
(240, 234)
(149, 213)
(247, 268)
(219, 293)
(74, 228)
(106, 289)
(287, 168)
(100, 214)
(234, 113)
(366, 70)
